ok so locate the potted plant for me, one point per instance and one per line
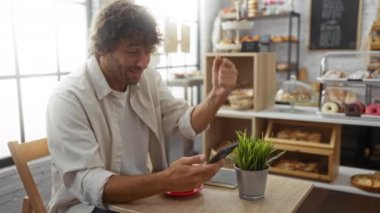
(252, 158)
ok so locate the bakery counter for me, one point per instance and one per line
(309, 114)
(343, 181)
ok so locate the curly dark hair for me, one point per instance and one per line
(123, 20)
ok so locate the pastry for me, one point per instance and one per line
(314, 137)
(284, 134)
(358, 75)
(350, 97)
(336, 95)
(354, 109)
(288, 97)
(368, 182)
(330, 107)
(373, 66)
(276, 39)
(334, 74)
(301, 136)
(285, 164)
(311, 167)
(300, 165)
(282, 66)
(373, 109)
(241, 99)
(375, 74)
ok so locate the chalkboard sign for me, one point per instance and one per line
(334, 24)
(248, 46)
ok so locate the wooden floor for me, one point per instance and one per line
(326, 201)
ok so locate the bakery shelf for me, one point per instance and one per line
(349, 82)
(305, 165)
(256, 71)
(223, 129)
(230, 20)
(345, 81)
(302, 134)
(237, 25)
(301, 143)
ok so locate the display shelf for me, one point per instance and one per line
(306, 143)
(256, 71)
(292, 56)
(349, 82)
(248, 66)
(237, 25)
(230, 22)
(262, 17)
(346, 83)
(302, 134)
(222, 130)
(305, 165)
(310, 114)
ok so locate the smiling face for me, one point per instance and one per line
(125, 64)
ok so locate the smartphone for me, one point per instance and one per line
(223, 153)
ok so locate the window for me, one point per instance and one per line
(41, 40)
(184, 15)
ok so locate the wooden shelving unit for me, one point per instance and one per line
(257, 71)
(301, 152)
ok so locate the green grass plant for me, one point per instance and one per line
(254, 153)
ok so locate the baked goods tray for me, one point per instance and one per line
(367, 182)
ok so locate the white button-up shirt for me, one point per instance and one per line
(86, 138)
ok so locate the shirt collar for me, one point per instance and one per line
(99, 81)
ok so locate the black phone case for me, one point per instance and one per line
(223, 153)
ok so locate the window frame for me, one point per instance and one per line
(89, 6)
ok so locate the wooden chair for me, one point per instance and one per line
(22, 153)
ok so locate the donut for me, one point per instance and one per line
(373, 109)
(354, 109)
(330, 107)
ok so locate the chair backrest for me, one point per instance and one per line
(22, 153)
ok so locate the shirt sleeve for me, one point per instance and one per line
(176, 113)
(75, 150)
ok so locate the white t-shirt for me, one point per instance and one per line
(134, 132)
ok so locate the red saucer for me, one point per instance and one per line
(186, 193)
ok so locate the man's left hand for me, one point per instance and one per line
(224, 76)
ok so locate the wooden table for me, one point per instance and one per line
(282, 195)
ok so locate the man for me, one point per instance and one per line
(106, 122)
